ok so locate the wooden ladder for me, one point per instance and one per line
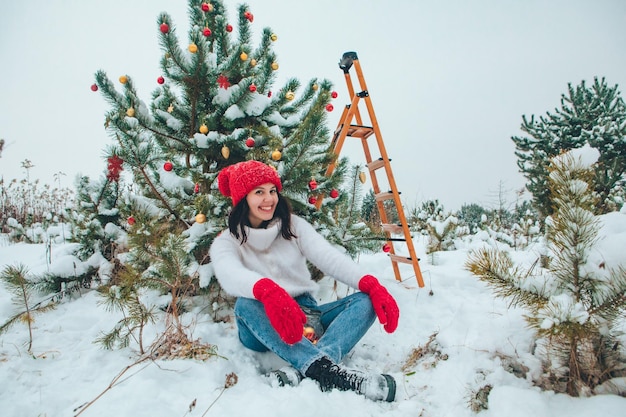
(346, 128)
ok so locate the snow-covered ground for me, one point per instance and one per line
(462, 333)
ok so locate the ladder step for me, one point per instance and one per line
(374, 165)
(385, 195)
(358, 131)
(403, 259)
(392, 228)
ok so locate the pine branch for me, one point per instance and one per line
(169, 208)
(496, 269)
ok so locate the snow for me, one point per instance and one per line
(234, 112)
(257, 105)
(467, 337)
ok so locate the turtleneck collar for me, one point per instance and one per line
(262, 239)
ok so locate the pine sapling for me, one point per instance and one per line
(125, 299)
(573, 305)
(22, 289)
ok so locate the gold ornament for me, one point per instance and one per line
(315, 87)
(123, 79)
(253, 62)
(225, 152)
(276, 155)
(273, 37)
(200, 218)
(290, 95)
(243, 56)
(193, 48)
(362, 177)
(170, 108)
(130, 112)
(204, 129)
(274, 66)
(168, 55)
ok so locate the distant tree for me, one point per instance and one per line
(353, 232)
(441, 227)
(593, 115)
(471, 215)
(369, 211)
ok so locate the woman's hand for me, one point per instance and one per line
(284, 313)
(384, 305)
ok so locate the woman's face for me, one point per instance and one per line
(262, 201)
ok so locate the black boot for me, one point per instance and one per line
(330, 375)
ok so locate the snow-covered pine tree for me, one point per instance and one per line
(574, 306)
(594, 115)
(95, 218)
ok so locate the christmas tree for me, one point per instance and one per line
(214, 105)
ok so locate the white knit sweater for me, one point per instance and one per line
(266, 254)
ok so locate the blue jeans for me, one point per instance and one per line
(345, 322)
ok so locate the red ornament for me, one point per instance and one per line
(223, 82)
(168, 166)
(312, 200)
(196, 188)
(160, 80)
(250, 142)
(205, 7)
(229, 28)
(94, 87)
(269, 94)
(249, 16)
(131, 220)
(334, 193)
(206, 32)
(334, 94)
(164, 27)
(386, 248)
(252, 88)
(114, 167)
(312, 184)
(329, 107)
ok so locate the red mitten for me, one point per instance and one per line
(284, 313)
(384, 305)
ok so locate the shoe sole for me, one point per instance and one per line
(284, 380)
(391, 383)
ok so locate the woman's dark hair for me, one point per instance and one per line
(238, 218)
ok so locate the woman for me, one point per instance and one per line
(262, 260)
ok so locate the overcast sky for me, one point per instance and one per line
(449, 80)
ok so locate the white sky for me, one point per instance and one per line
(449, 80)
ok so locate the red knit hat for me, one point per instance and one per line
(236, 181)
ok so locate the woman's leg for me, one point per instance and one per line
(346, 321)
(257, 333)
